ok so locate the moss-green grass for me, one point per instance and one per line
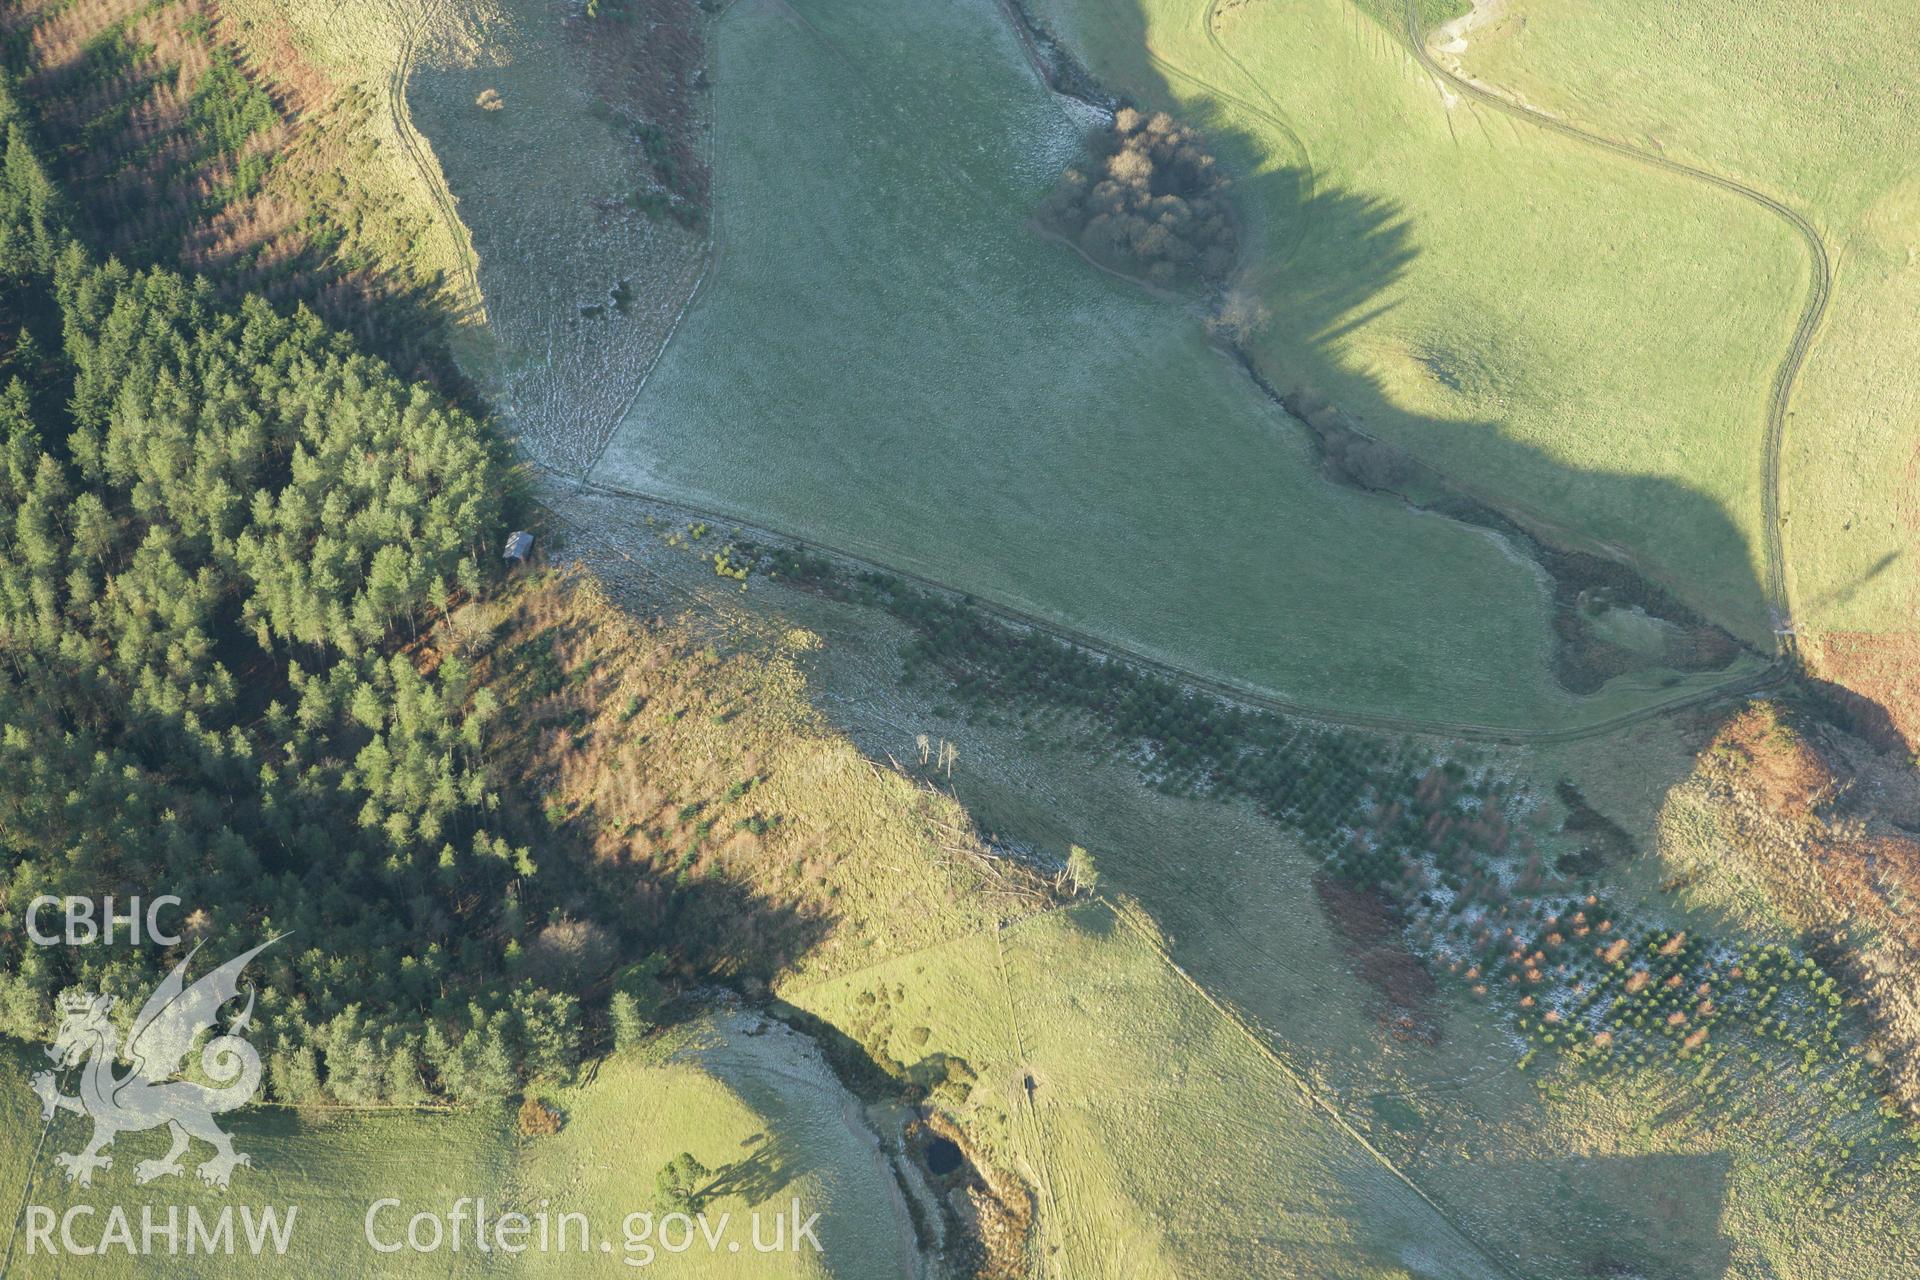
(757, 1109)
(1581, 339)
(329, 1164)
(887, 358)
(1815, 103)
(752, 1102)
(1159, 1137)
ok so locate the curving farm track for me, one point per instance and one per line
(1810, 314)
(415, 24)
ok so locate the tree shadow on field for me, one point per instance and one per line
(728, 926)
(1327, 262)
(770, 1162)
(1604, 1217)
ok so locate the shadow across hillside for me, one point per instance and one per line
(1325, 260)
(1616, 1216)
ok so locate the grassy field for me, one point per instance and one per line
(753, 1102)
(1814, 104)
(1161, 1138)
(754, 1105)
(1584, 341)
(958, 396)
(1560, 1172)
(393, 195)
(329, 1164)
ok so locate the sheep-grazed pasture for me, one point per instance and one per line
(327, 1164)
(1759, 1152)
(1584, 341)
(1815, 104)
(887, 358)
(754, 1104)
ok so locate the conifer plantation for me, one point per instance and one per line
(225, 529)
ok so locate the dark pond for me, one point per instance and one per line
(943, 1155)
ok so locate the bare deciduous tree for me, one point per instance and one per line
(1239, 317)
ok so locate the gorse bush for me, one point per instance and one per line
(537, 1119)
(1150, 200)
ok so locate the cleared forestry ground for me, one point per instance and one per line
(1584, 341)
(1813, 103)
(389, 194)
(886, 359)
(1554, 1171)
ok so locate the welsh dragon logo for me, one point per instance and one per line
(146, 1095)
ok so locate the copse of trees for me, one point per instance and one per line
(1150, 200)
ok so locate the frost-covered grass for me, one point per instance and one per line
(581, 287)
(888, 359)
